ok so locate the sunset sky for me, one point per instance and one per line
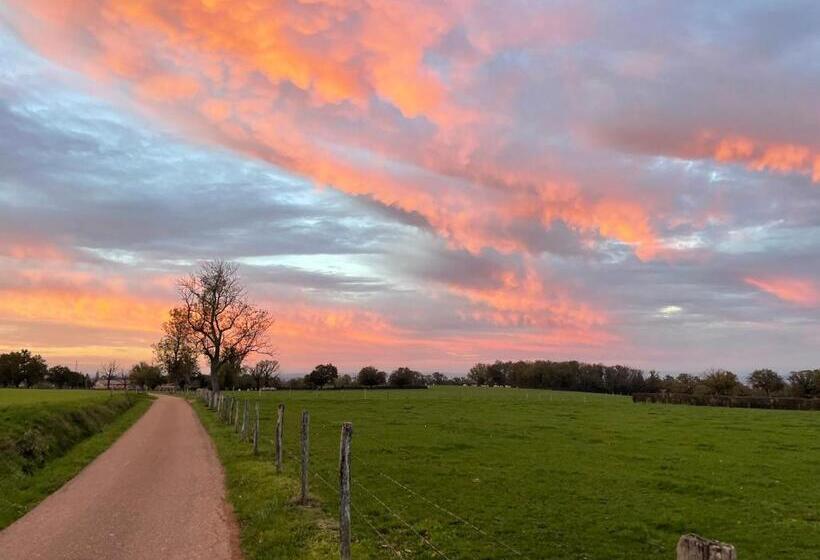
(417, 183)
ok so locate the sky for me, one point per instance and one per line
(428, 184)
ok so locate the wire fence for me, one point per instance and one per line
(395, 530)
(370, 507)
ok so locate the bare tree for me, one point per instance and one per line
(224, 324)
(176, 350)
(109, 372)
(264, 372)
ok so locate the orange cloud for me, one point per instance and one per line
(523, 300)
(167, 88)
(246, 59)
(758, 155)
(71, 308)
(793, 290)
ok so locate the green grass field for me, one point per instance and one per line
(507, 473)
(48, 436)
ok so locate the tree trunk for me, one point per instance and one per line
(215, 376)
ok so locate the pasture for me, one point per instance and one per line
(48, 436)
(458, 472)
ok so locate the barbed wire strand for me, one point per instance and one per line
(444, 510)
(424, 539)
(381, 536)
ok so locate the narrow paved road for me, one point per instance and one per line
(158, 493)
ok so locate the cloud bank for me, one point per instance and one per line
(431, 183)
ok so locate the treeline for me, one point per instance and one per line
(327, 376)
(24, 369)
(599, 378)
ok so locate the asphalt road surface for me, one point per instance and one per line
(158, 493)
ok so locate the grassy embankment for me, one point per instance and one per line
(48, 436)
(479, 473)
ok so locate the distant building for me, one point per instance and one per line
(117, 384)
(166, 387)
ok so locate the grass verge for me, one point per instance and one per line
(45, 445)
(272, 525)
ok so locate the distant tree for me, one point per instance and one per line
(404, 377)
(370, 376)
(223, 322)
(687, 383)
(296, 383)
(264, 373)
(322, 375)
(109, 372)
(176, 351)
(653, 382)
(145, 375)
(497, 374)
(767, 381)
(479, 374)
(21, 368)
(62, 376)
(682, 383)
(245, 380)
(721, 382)
(805, 383)
(343, 381)
(437, 378)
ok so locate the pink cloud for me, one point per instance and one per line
(798, 291)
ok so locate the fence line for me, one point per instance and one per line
(690, 547)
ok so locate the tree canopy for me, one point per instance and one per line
(224, 324)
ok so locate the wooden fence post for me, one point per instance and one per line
(693, 547)
(305, 456)
(344, 490)
(244, 433)
(236, 418)
(256, 432)
(280, 421)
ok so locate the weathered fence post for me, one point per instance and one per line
(280, 421)
(256, 432)
(244, 434)
(236, 418)
(344, 490)
(693, 547)
(305, 456)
